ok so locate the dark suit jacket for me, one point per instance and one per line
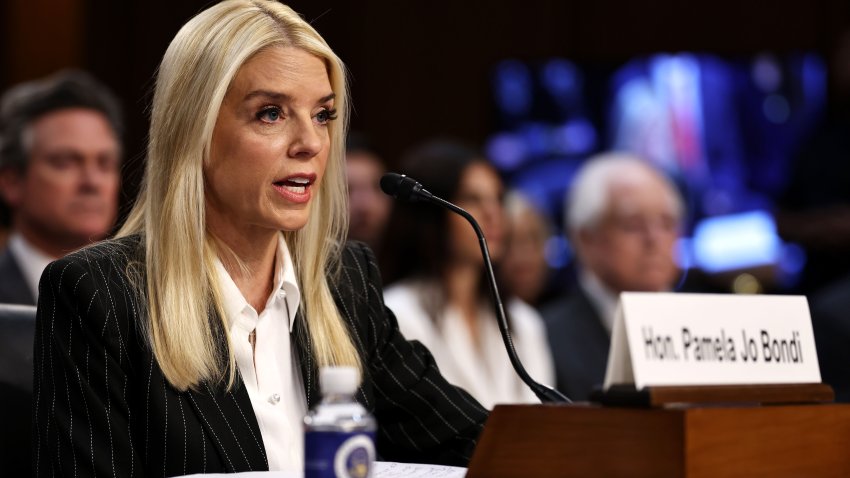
(830, 310)
(101, 404)
(17, 327)
(13, 287)
(579, 344)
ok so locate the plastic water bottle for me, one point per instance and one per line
(339, 434)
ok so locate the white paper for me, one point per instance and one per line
(387, 469)
(383, 469)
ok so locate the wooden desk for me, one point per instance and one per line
(584, 440)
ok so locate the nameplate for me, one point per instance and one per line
(711, 339)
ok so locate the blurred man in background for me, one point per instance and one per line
(623, 219)
(369, 207)
(59, 174)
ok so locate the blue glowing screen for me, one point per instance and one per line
(724, 129)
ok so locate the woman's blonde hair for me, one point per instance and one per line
(188, 336)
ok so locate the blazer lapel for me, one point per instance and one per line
(303, 347)
(229, 419)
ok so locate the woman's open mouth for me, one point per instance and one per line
(296, 188)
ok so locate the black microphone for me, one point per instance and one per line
(404, 188)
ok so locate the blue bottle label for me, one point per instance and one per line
(338, 454)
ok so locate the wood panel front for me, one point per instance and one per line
(579, 440)
(768, 441)
(690, 442)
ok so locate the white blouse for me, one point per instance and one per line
(271, 370)
(486, 374)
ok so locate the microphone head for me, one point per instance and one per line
(401, 187)
(390, 183)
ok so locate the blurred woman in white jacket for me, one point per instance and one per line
(438, 289)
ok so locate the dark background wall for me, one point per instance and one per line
(417, 68)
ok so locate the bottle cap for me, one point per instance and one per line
(339, 380)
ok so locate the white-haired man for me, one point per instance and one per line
(623, 219)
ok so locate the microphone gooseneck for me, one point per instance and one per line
(405, 188)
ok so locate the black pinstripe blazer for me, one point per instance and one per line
(102, 407)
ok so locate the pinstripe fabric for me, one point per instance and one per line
(101, 406)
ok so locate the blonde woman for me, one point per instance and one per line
(191, 343)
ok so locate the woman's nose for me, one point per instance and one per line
(306, 139)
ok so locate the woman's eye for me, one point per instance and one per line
(269, 115)
(326, 115)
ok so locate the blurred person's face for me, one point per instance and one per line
(524, 265)
(480, 193)
(68, 195)
(632, 247)
(270, 145)
(369, 207)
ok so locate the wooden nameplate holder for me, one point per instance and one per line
(694, 432)
(655, 397)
